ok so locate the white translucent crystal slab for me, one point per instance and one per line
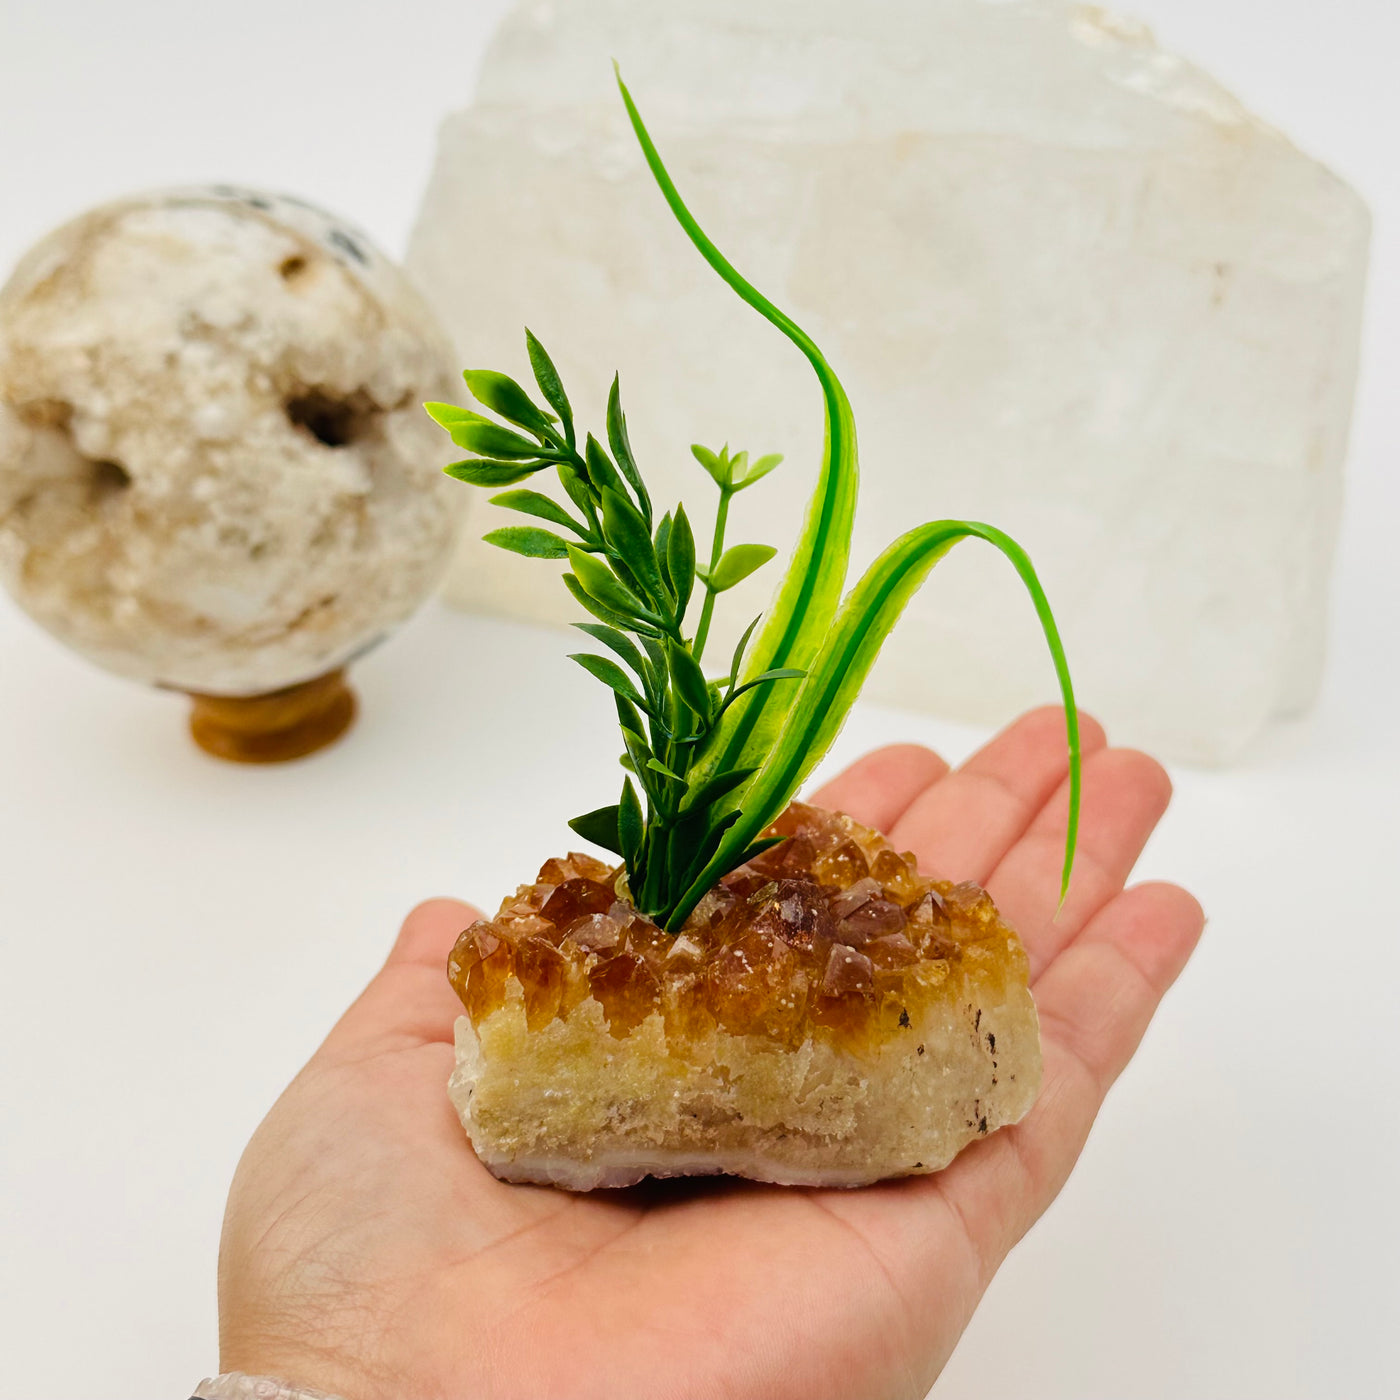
(1073, 287)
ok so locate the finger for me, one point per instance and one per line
(963, 826)
(878, 789)
(409, 1001)
(1095, 1001)
(1096, 998)
(427, 935)
(1125, 795)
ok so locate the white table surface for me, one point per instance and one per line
(177, 934)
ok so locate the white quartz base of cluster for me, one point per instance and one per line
(1073, 287)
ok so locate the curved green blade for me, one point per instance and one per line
(810, 592)
(824, 699)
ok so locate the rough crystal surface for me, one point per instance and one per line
(1074, 288)
(811, 1022)
(215, 469)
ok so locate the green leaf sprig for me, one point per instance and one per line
(637, 577)
(715, 760)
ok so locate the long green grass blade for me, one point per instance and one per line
(810, 593)
(824, 699)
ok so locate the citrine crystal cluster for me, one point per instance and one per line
(826, 1015)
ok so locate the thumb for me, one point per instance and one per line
(409, 1001)
(427, 935)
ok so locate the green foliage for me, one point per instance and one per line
(504, 397)
(736, 564)
(710, 763)
(484, 472)
(489, 439)
(819, 708)
(637, 578)
(601, 828)
(541, 507)
(532, 543)
(611, 674)
(547, 377)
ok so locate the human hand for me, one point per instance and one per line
(367, 1252)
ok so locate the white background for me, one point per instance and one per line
(176, 935)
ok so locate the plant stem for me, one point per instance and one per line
(716, 553)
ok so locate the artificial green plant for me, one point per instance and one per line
(710, 762)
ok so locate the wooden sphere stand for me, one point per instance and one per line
(276, 727)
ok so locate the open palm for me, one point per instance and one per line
(367, 1252)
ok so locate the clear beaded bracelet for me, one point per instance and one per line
(236, 1386)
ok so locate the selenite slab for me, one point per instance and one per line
(1073, 287)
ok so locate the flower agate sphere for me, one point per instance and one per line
(215, 473)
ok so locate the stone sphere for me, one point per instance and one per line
(215, 470)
